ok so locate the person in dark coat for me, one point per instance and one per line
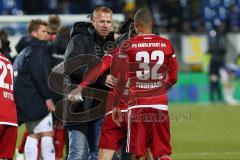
(57, 48)
(87, 41)
(216, 63)
(32, 94)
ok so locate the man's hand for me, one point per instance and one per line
(110, 81)
(75, 95)
(50, 105)
(117, 116)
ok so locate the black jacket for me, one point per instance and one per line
(22, 43)
(30, 81)
(84, 41)
(57, 49)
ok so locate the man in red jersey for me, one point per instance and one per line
(8, 113)
(112, 136)
(152, 71)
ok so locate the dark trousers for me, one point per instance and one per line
(215, 89)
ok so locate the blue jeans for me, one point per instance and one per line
(85, 146)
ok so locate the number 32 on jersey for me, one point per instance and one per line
(145, 58)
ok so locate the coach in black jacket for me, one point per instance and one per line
(87, 39)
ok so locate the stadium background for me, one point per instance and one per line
(200, 129)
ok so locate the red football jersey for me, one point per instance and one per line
(8, 114)
(114, 62)
(152, 69)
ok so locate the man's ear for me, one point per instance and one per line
(33, 33)
(93, 22)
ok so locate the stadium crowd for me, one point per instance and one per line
(169, 15)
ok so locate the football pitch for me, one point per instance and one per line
(203, 132)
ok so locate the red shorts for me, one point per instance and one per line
(59, 141)
(8, 138)
(112, 136)
(148, 128)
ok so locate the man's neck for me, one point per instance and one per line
(145, 31)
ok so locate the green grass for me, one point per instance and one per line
(203, 132)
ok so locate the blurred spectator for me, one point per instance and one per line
(174, 14)
(58, 40)
(59, 45)
(229, 82)
(51, 6)
(32, 7)
(57, 49)
(198, 24)
(5, 49)
(216, 63)
(54, 23)
(234, 18)
(10, 7)
(186, 26)
(97, 3)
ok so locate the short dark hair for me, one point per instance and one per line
(143, 17)
(4, 39)
(3, 35)
(34, 24)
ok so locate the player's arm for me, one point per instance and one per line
(173, 71)
(97, 71)
(90, 77)
(117, 116)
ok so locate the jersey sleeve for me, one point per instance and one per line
(173, 70)
(92, 75)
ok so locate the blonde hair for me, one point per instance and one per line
(101, 9)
